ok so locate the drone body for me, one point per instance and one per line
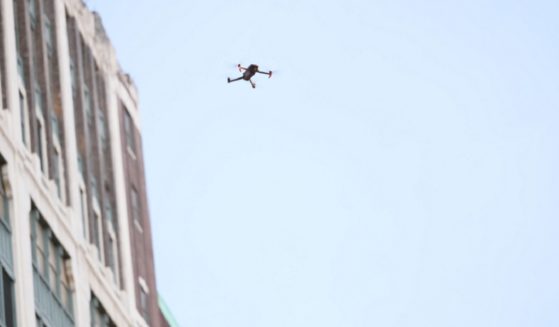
(248, 73)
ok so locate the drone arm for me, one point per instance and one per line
(265, 73)
(241, 68)
(233, 80)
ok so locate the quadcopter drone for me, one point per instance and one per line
(248, 73)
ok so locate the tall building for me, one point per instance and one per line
(75, 235)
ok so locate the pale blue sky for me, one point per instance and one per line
(400, 169)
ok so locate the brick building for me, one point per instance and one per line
(75, 235)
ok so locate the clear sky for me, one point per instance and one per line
(400, 169)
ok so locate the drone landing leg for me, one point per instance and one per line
(252, 83)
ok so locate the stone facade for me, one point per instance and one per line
(75, 234)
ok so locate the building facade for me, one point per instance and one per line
(75, 235)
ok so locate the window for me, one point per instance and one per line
(4, 201)
(87, 106)
(109, 212)
(111, 256)
(65, 289)
(98, 235)
(32, 11)
(144, 304)
(51, 268)
(83, 210)
(54, 126)
(93, 186)
(20, 34)
(40, 144)
(99, 316)
(129, 130)
(81, 167)
(40, 322)
(7, 299)
(40, 249)
(48, 36)
(96, 231)
(20, 66)
(102, 130)
(112, 260)
(136, 214)
(23, 118)
(56, 173)
(38, 95)
(96, 316)
(73, 75)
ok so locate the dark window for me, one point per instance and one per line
(51, 263)
(32, 11)
(73, 75)
(22, 117)
(65, 290)
(20, 34)
(41, 248)
(93, 184)
(102, 130)
(111, 255)
(8, 300)
(54, 276)
(4, 204)
(109, 213)
(38, 93)
(97, 232)
(40, 144)
(144, 304)
(48, 36)
(54, 125)
(81, 167)
(129, 130)
(20, 67)
(83, 213)
(135, 207)
(87, 104)
(56, 170)
(99, 316)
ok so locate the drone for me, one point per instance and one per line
(248, 74)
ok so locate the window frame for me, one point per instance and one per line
(129, 131)
(136, 209)
(84, 212)
(42, 147)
